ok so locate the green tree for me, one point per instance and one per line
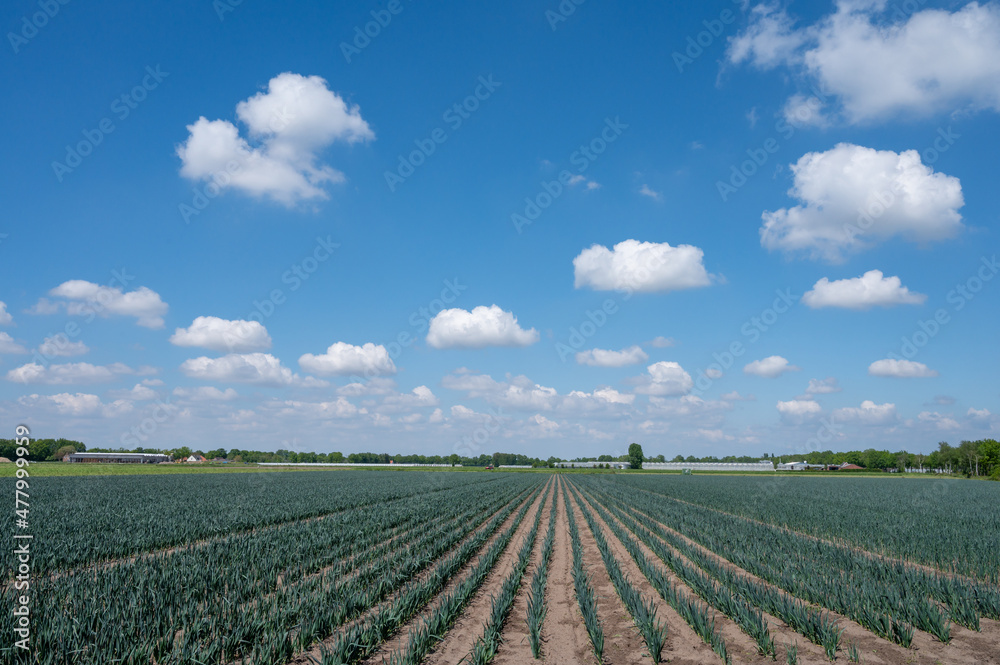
(879, 459)
(969, 457)
(62, 452)
(635, 456)
(989, 449)
(947, 456)
(77, 446)
(454, 459)
(40, 449)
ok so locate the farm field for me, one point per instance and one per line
(511, 568)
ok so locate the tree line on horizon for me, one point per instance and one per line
(971, 458)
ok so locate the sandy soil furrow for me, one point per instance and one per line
(564, 636)
(742, 648)
(314, 652)
(683, 644)
(402, 637)
(515, 648)
(623, 644)
(459, 640)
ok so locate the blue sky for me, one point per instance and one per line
(221, 216)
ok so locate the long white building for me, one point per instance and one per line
(763, 465)
(117, 458)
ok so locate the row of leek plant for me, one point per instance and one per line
(643, 611)
(585, 595)
(485, 648)
(432, 628)
(536, 601)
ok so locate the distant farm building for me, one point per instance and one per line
(196, 458)
(799, 466)
(352, 464)
(763, 465)
(117, 458)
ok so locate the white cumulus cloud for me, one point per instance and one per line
(206, 393)
(523, 394)
(632, 265)
(72, 373)
(903, 369)
(59, 346)
(138, 393)
(770, 367)
(877, 65)
(978, 414)
(253, 368)
(645, 190)
(940, 421)
(82, 298)
(665, 378)
(869, 413)
(287, 127)
(853, 198)
(799, 410)
(5, 318)
(803, 111)
(633, 355)
(343, 359)
(873, 289)
(338, 408)
(612, 396)
(483, 326)
(215, 334)
(602, 399)
(78, 405)
(8, 345)
(420, 396)
(769, 40)
(824, 387)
